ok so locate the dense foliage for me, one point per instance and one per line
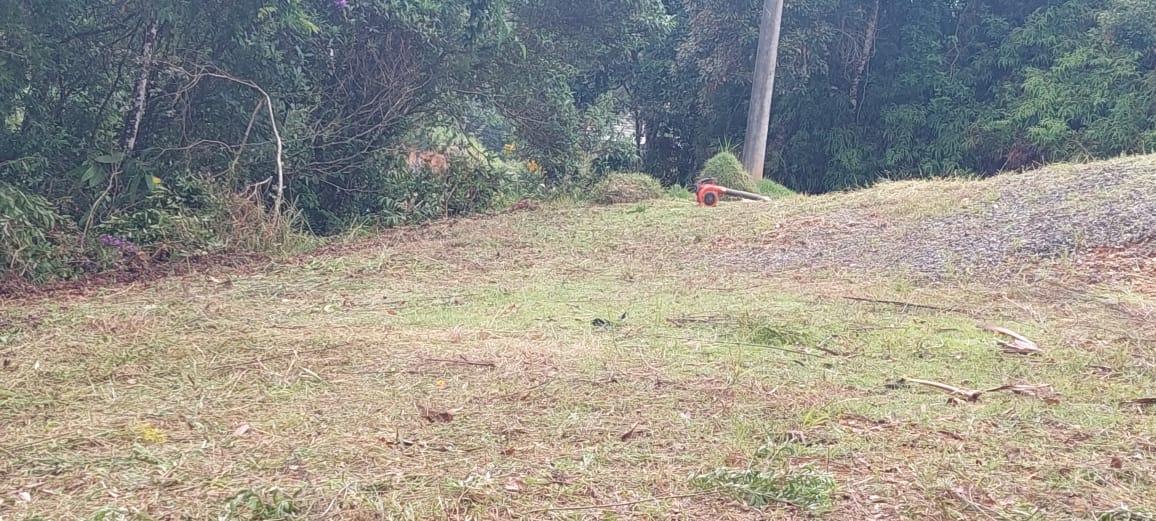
(151, 123)
(901, 89)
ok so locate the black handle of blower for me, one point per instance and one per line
(748, 195)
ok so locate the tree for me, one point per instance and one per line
(762, 90)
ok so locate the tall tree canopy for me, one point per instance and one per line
(899, 88)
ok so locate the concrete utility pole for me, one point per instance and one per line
(759, 117)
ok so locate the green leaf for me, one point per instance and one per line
(92, 176)
(110, 159)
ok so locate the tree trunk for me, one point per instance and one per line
(759, 117)
(865, 56)
(131, 132)
(132, 121)
(638, 133)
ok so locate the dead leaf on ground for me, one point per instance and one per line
(1117, 463)
(951, 435)
(435, 416)
(558, 477)
(514, 485)
(242, 430)
(1019, 344)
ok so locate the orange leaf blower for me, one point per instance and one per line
(708, 193)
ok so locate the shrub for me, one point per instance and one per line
(680, 193)
(633, 187)
(244, 224)
(726, 169)
(456, 182)
(615, 156)
(177, 220)
(34, 239)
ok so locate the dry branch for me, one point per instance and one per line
(203, 71)
(1044, 392)
(463, 361)
(1019, 345)
(900, 304)
(1041, 391)
(970, 395)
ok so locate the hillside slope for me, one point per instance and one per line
(649, 361)
(986, 228)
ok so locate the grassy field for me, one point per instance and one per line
(621, 362)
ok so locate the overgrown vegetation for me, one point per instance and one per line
(32, 236)
(871, 89)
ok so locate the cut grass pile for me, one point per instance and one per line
(577, 364)
(620, 188)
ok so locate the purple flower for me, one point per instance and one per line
(123, 245)
(342, 4)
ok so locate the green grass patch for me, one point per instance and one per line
(770, 188)
(806, 488)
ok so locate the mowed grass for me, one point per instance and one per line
(574, 363)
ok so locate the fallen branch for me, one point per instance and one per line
(970, 395)
(1044, 392)
(684, 321)
(1020, 345)
(462, 361)
(901, 304)
(1141, 401)
(622, 504)
(626, 436)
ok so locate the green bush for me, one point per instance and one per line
(775, 190)
(178, 220)
(630, 187)
(34, 240)
(726, 169)
(469, 182)
(615, 156)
